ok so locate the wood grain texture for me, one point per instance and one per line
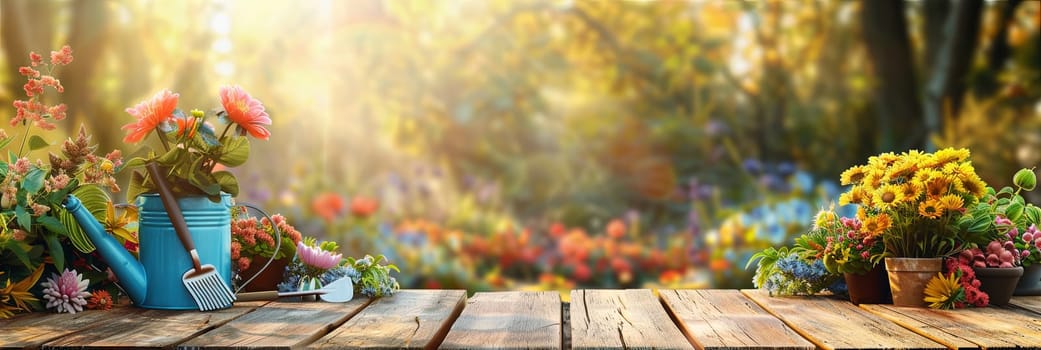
(411, 319)
(34, 329)
(508, 320)
(151, 328)
(612, 319)
(1031, 303)
(279, 325)
(989, 328)
(838, 324)
(726, 319)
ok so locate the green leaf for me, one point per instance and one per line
(1014, 211)
(135, 162)
(54, 246)
(53, 225)
(33, 181)
(228, 182)
(171, 158)
(3, 170)
(36, 142)
(23, 218)
(20, 253)
(5, 142)
(1032, 214)
(204, 182)
(234, 152)
(139, 184)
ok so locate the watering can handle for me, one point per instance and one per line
(173, 210)
(278, 245)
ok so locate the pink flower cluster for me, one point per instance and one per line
(32, 110)
(10, 184)
(248, 233)
(973, 295)
(1033, 235)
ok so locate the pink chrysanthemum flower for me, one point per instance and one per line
(66, 292)
(150, 114)
(245, 111)
(316, 257)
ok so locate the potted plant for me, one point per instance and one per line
(191, 152)
(253, 244)
(855, 253)
(1015, 228)
(796, 270)
(997, 268)
(916, 202)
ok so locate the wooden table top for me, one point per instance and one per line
(594, 319)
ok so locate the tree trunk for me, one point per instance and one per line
(946, 87)
(999, 51)
(896, 99)
(934, 15)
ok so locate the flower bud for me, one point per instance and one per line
(199, 114)
(1025, 179)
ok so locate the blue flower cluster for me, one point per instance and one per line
(795, 276)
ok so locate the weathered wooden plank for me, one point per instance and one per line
(508, 320)
(151, 328)
(33, 329)
(989, 328)
(279, 325)
(838, 324)
(610, 319)
(1032, 303)
(411, 319)
(726, 319)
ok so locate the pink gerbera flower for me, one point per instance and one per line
(245, 111)
(150, 114)
(316, 257)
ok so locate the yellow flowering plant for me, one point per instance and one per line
(917, 202)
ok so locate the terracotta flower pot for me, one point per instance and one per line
(268, 279)
(1030, 282)
(871, 287)
(998, 282)
(908, 277)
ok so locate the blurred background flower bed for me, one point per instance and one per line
(558, 144)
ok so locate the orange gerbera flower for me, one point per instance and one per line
(930, 209)
(245, 111)
(150, 114)
(875, 225)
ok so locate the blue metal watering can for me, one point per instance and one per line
(155, 282)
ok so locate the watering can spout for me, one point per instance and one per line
(130, 272)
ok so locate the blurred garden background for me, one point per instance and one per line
(557, 144)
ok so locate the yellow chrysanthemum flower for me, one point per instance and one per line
(937, 187)
(888, 197)
(947, 156)
(930, 209)
(824, 218)
(917, 157)
(942, 292)
(873, 180)
(883, 161)
(875, 225)
(975, 186)
(855, 195)
(960, 170)
(924, 175)
(853, 176)
(904, 169)
(911, 190)
(951, 202)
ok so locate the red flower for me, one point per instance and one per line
(557, 230)
(100, 300)
(245, 111)
(363, 206)
(150, 114)
(328, 206)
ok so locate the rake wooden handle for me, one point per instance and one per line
(173, 211)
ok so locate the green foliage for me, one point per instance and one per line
(374, 279)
